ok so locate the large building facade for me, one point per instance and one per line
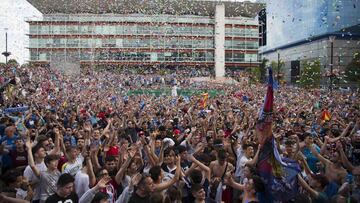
(207, 37)
(306, 32)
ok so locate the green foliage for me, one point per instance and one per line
(311, 74)
(13, 62)
(255, 74)
(263, 69)
(352, 70)
(276, 69)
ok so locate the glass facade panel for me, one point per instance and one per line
(33, 29)
(150, 34)
(72, 43)
(34, 55)
(33, 42)
(72, 29)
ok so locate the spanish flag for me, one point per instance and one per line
(204, 100)
(325, 115)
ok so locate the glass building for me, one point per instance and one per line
(203, 34)
(302, 33)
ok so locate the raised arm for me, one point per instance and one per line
(56, 149)
(165, 185)
(202, 166)
(31, 158)
(344, 132)
(89, 195)
(90, 170)
(230, 182)
(303, 184)
(253, 161)
(319, 156)
(344, 159)
(120, 174)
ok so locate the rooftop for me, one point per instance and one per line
(149, 7)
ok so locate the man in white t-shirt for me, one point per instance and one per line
(246, 159)
(39, 154)
(74, 163)
(85, 178)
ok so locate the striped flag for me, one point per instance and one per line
(279, 174)
(204, 100)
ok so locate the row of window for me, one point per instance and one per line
(138, 30)
(121, 29)
(178, 43)
(145, 56)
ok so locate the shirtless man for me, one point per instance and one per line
(333, 167)
(218, 169)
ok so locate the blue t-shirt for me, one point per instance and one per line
(311, 158)
(9, 142)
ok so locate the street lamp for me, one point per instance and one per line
(332, 39)
(278, 65)
(6, 53)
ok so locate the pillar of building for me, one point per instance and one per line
(220, 41)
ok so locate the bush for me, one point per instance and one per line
(310, 75)
(352, 70)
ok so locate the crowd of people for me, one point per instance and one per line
(81, 138)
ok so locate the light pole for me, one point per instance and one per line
(332, 39)
(6, 53)
(278, 65)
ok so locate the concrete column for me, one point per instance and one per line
(220, 41)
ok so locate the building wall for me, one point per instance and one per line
(295, 20)
(143, 39)
(343, 53)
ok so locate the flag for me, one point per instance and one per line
(279, 174)
(325, 115)
(16, 109)
(204, 100)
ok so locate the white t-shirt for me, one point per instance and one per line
(20, 193)
(81, 183)
(73, 168)
(243, 162)
(239, 155)
(174, 91)
(29, 174)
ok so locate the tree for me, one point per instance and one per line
(263, 69)
(277, 70)
(352, 70)
(311, 74)
(255, 74)
(13, 62)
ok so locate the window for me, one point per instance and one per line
(33, 29)
(72, 29)
(228, 56)
(109, 42)
(72, 42)
(33, 42)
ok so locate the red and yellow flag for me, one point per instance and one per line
(325, 115)
(204, 100)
